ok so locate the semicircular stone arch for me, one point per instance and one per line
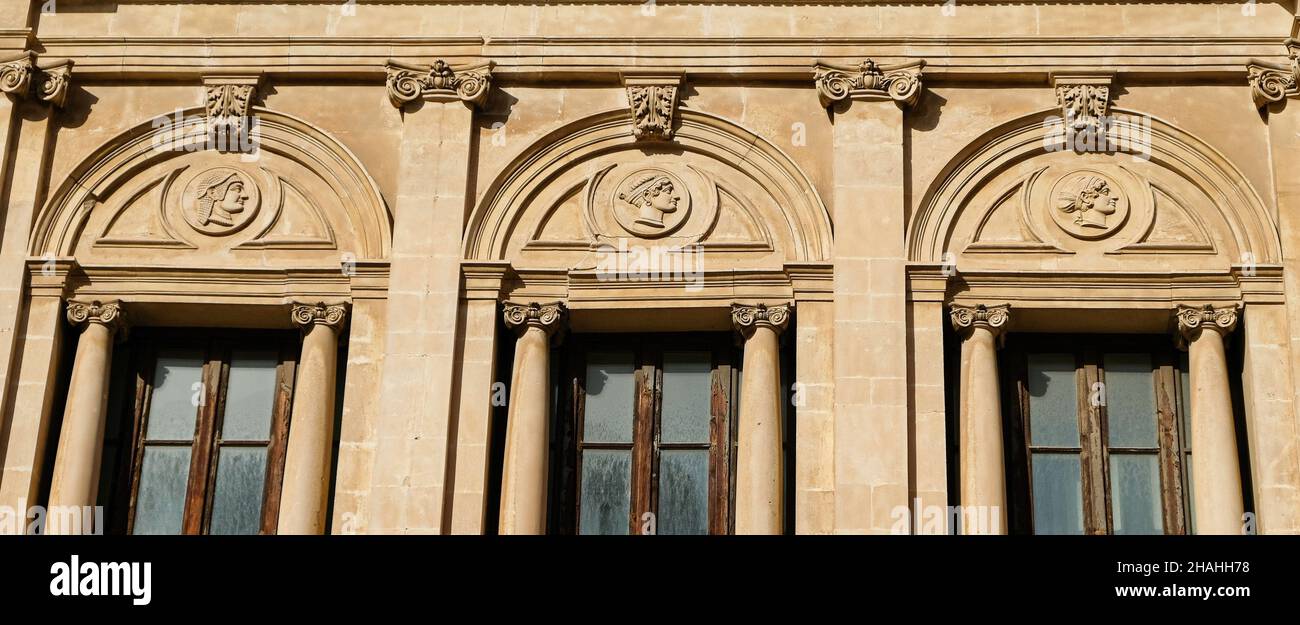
(154, 194)
(590, 183)
(1157, 198)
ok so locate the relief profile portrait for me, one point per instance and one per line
(1089, 205)
(655, 196)
(651, 203)
(220, 201)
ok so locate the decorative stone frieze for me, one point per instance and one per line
(438, 82)
(1084, 99)
(835, 83)
(653, 102)
(1271, 82)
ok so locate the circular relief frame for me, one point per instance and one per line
(629, 203)
(220, 201)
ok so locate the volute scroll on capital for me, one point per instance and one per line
(107, 313)
(1273, 82)
(22, 77)
(306, 315)
(747, 317)
(549, 317)
(1192, 320)
(965, 319)
(439, 82)
(867, 80)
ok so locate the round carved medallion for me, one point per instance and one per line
(220, 201)
(1088, 204)
(651, 203)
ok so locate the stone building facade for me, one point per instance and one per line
(650, 267)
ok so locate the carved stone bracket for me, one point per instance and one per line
(228, 100)
(746, 317)
(1272, 82)
(1193, 319)
(106, 313)
(992, 318)
(23, 78)
(439, 82)
(653, 101)
(901, 83)
(549, 317)
(1084, 98)
(306, 315)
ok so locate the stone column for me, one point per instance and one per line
(1216, 472)
(983, 475)
(81, 441)
(436, 105)
(528, 432)
(869, 205)
(758, 453)
(305, 494)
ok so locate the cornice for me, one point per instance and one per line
(606, 58)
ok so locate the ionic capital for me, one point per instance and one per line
(108, 314)
(965, 319)
(748, 317)
(1193, 319)
(23, 78)
(307, 315)
(439, 82)
(867, 80)
(548, 317)
(1273, 82)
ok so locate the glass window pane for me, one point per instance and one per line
(177, 387)
(1135, 494)
(683, 492)
(160, 504)
(237, 502)
(1130, 400)
(1053, 411)
(687, 397)
(250, 396)
(1058, 494)
(611, 397)
(606, 491)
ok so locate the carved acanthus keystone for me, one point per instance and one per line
(549, 317)
(307, 315)
(747, 317)
(992, 318)
(1084, 99)
(105, 313)
(1271, 82)
(229, 100)
(438, 82)
(1193, 319)
(16, 75)
(23, 78)
(902, 82)
(653, 101)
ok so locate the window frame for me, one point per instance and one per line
(1172, 440)
(646, 445)
(217, 347)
